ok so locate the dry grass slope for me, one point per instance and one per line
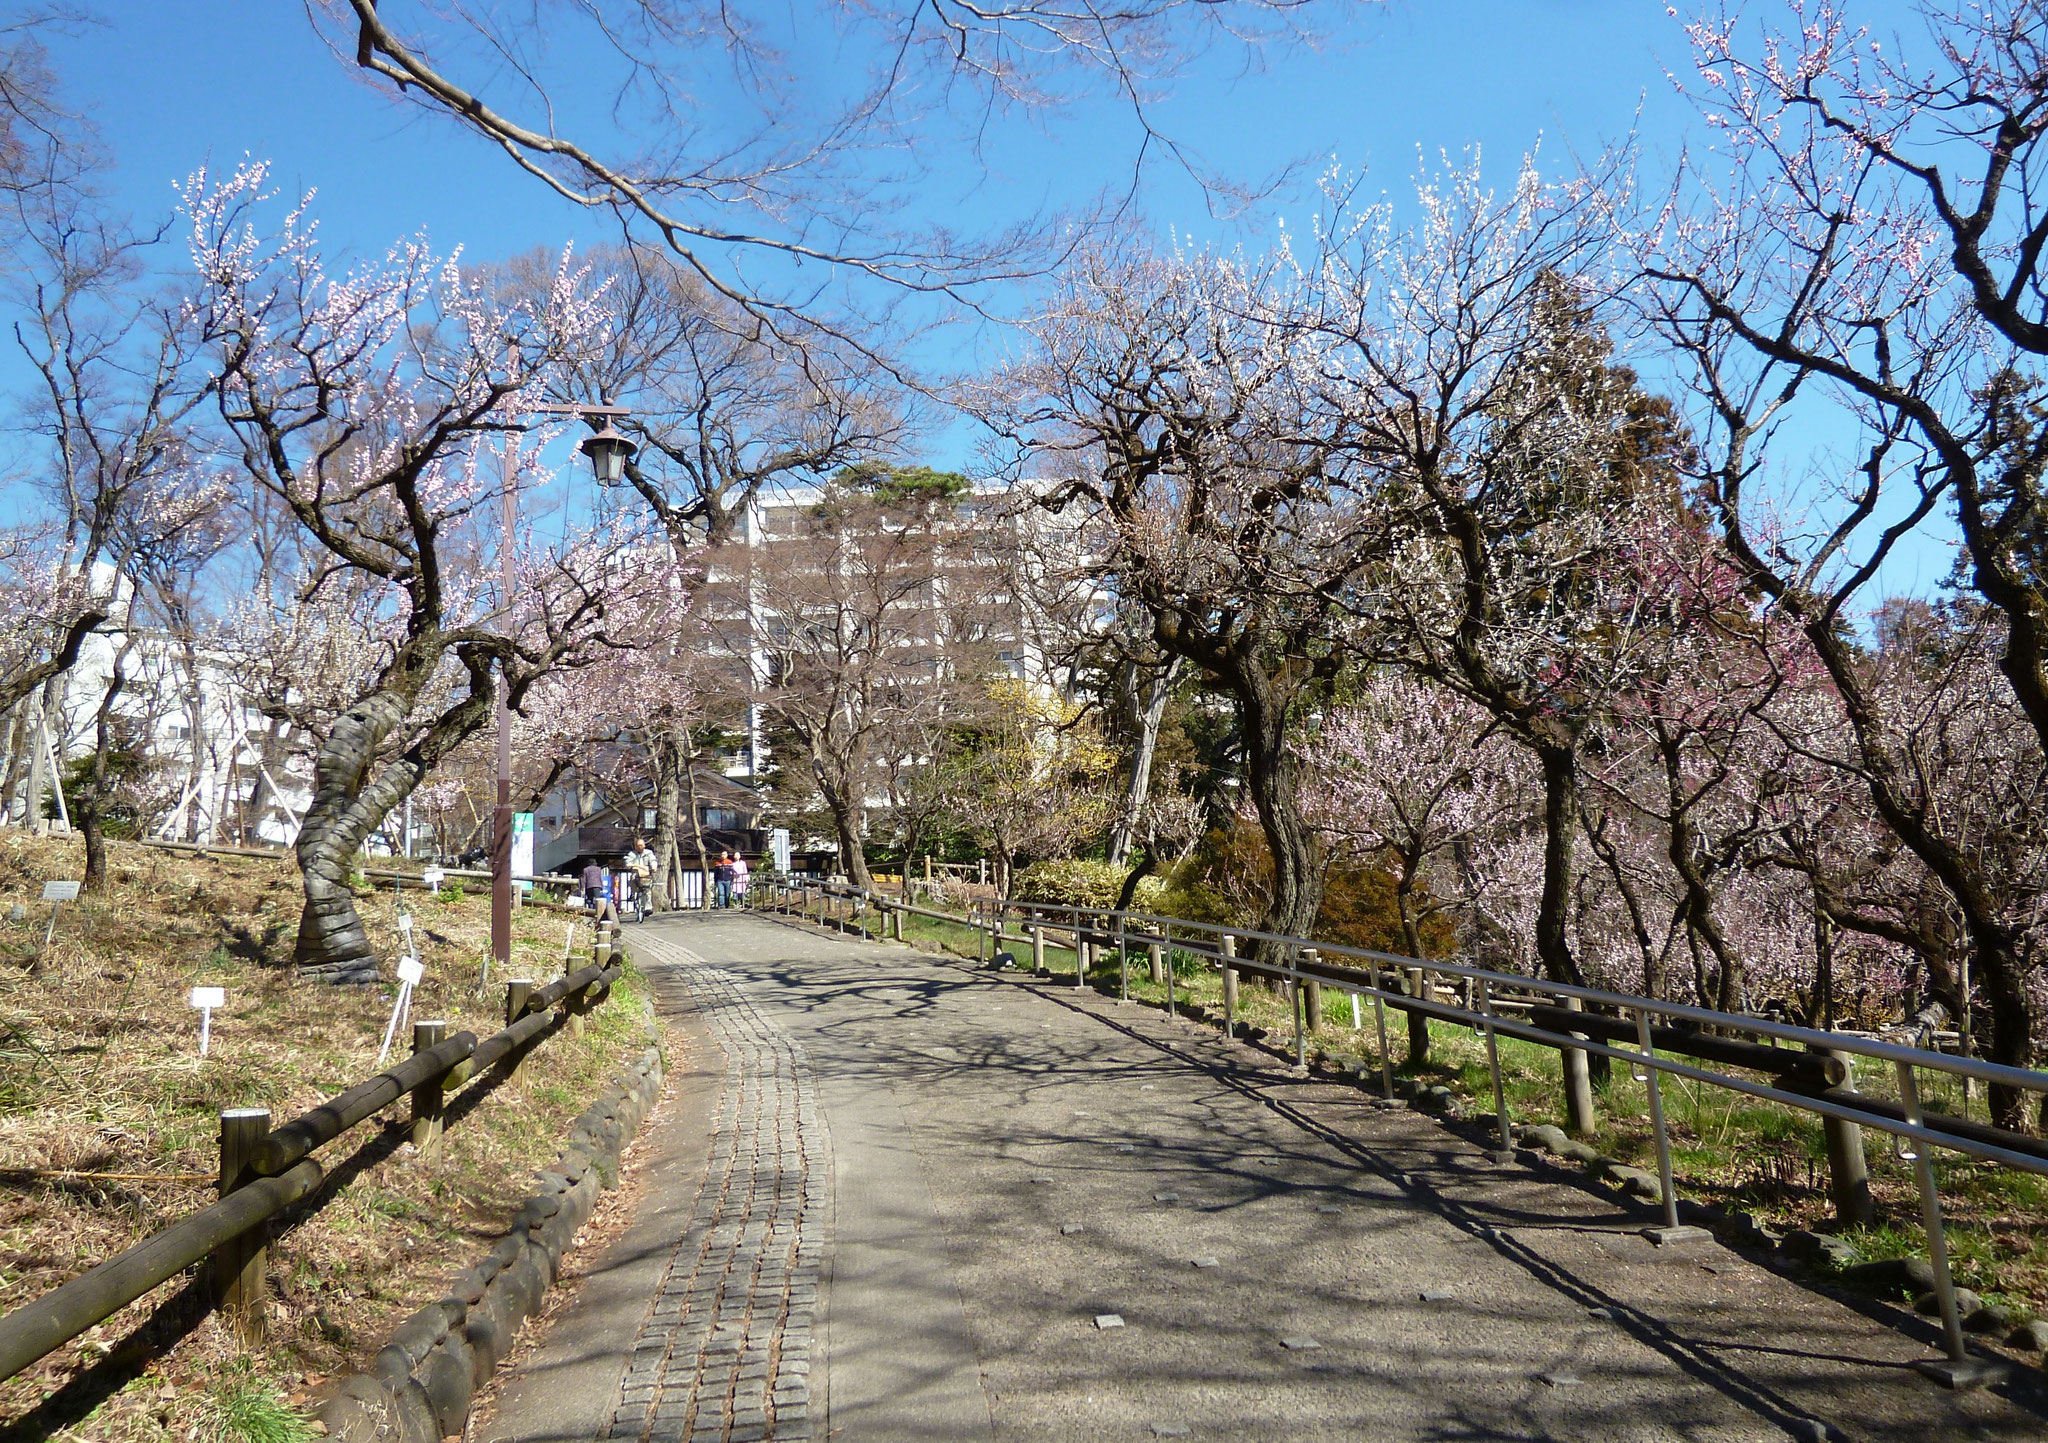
(100, 1078)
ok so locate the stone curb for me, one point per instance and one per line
(420, 1386)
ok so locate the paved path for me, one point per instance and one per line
(969, 1172)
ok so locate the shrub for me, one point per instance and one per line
(1072, 882)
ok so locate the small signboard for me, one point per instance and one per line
(206, 999)
(60, 891)
(432, 877)
(778, 846)
(409, 974)
(405, 925)
(522, 848)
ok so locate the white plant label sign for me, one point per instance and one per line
(432, 877)
(409, 973)
(206, 999)
(60, 891)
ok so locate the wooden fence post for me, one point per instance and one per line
(516, 993)
(427, 1097)
(238, 1265)
(1155, 961)
(1311, 993)
(1037, 949)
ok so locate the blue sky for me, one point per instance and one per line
(174, 86)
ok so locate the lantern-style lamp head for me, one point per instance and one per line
(608, 452)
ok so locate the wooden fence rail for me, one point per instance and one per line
(266, 1171)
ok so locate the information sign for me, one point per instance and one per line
(409, 972)
(522, 847)
(60, 891)
(206, 999)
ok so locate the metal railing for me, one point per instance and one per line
(263, 1171)
(1808, 1068)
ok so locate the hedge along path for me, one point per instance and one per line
(264, 1173)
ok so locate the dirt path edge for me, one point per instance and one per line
(421, 1384)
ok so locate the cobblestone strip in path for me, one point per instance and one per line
(725, 1352)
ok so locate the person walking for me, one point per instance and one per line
(721, 877)
(642, 862)
(597, 892)
(740, 873)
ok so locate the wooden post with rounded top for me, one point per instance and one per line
(238, 1264)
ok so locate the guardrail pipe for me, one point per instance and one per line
(1293, 985)
(1379, 1015)
(1930, 1217)
(1656, 1092)
(239, 1288)
(1500, 1096)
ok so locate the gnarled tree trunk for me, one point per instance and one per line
(352, 795)
(1270, 777)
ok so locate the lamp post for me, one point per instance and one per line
(608, 452)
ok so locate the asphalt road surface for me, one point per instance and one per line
(891, 1197)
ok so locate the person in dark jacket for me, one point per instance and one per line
(721, 877)
(597, 892)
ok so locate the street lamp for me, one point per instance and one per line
(608, 452)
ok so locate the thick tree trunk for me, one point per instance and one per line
(840, 786)
(40, 731)
(1138, 785)
(1148, 863)
(92, 797)
(1270, 777)
(1560, 814)
(348, 803)
(847, 818)
(668, 812)
(332, 944)
(13, 771)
